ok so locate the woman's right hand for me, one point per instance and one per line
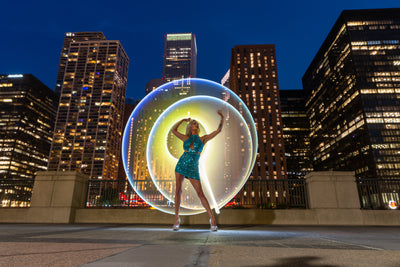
(187, 119)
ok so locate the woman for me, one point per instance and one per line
(188, 165)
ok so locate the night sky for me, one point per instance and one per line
(32, 33)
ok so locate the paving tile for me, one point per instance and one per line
(56, 254)
(150, 245)
(299, 257)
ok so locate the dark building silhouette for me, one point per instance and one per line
(153, 84)
(27, 115)
(88, 129)
(296, 130)
(254, 78)
(353, 95)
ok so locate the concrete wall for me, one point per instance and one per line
(55, 198)
(58, 197)
(244, 217)
(332, 190)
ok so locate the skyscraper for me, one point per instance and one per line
(296, 130)
(353, 95)
(179, 60)
(71, 37)
(254, 77)
(180, 56)
(88, 130)
(27, 114)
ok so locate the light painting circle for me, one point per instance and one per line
(150, 151)
(223, 163)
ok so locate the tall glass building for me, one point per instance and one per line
(27, 115)
(179, 61)
(296, 130)
(353, 95)
(88, 128)
(254, 78)
(180, 56)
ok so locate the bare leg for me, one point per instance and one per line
(199, 190)
(178, 192)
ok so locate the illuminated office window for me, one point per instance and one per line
(353, 99)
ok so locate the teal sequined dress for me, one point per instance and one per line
(188, 164)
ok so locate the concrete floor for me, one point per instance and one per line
(157, 245)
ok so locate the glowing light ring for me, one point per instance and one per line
(163, 135)
(143, 119)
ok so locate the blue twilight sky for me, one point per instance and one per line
(32, 33)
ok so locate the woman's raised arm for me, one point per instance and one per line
(210, 136)
(175, 129)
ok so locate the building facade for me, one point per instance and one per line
(27, 115)
(71, 37)
(353, 95)
(296, 130)
(180, 56)
(254, 78)
(88, 130)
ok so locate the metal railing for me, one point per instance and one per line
(112, 194)
(378, 193)
(15, 193)
(266, 194)
(272, 194)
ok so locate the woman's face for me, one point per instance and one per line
(195, 125)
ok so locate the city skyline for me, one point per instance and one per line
(351, 90)
(216, 33)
